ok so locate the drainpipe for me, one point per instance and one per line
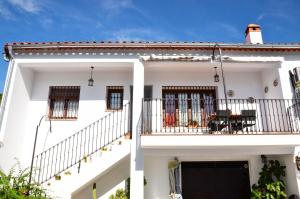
(9, 58)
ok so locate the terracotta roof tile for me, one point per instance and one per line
(175, 45)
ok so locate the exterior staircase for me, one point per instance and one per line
(71, 184)
(84, 156)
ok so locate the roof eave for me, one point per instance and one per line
(145, 46)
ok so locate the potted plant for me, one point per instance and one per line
(193, 124)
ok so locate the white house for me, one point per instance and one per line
(209, 110)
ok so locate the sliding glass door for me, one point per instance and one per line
(196, 109)
(187, 106)
(169, 109)
(183, 109)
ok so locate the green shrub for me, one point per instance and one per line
(125, 194)
(270, 184)
(15, 185)
(120, 194)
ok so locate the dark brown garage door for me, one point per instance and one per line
(215, 180)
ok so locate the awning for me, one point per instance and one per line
(175, 58)
(192, 58)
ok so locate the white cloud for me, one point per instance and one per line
(116, 5)
(196, 35)
(98, 24)
(138, 34)
(215, 32)
(230, 30)
(46, 23)
(261, 17)
(274, 14)
(4, 12)
(31, 6)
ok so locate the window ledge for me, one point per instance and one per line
(111, 110)
(63, 119)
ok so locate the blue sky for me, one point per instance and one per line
(164, 20)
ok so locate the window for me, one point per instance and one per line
(184, 105)
(63, 102)
(114, 97)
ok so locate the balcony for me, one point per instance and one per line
(208, 116)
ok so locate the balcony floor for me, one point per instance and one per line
(207, 132)
(273, 143)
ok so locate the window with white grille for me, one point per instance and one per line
(114, 97)
(63, 102)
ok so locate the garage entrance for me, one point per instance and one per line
(215, 180)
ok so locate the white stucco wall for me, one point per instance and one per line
(108, 183)
(244, 84)
(16, 118)
(29, 102)
(267, 78)
(92, 103)
(35, 88)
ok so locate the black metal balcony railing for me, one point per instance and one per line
(81, 145)
(209, 116)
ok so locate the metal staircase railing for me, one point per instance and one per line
(81, 145)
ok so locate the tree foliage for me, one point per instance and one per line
(120, 194)
(270, 184)
(14, 185)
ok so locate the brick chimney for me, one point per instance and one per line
(253, 34)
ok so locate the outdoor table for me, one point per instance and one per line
(233, 120)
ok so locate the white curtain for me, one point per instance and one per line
(72, 108)
(115, 101)
(175, 179)
(208, 106)
(196, 108)
(58, 108)
(183, 109)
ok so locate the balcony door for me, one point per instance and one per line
(187, 105)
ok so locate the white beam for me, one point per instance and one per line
(137, 159)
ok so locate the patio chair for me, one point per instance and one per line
(220, 121)
(247, 119)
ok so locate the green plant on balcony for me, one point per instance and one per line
(14, 185)
(270, 184)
